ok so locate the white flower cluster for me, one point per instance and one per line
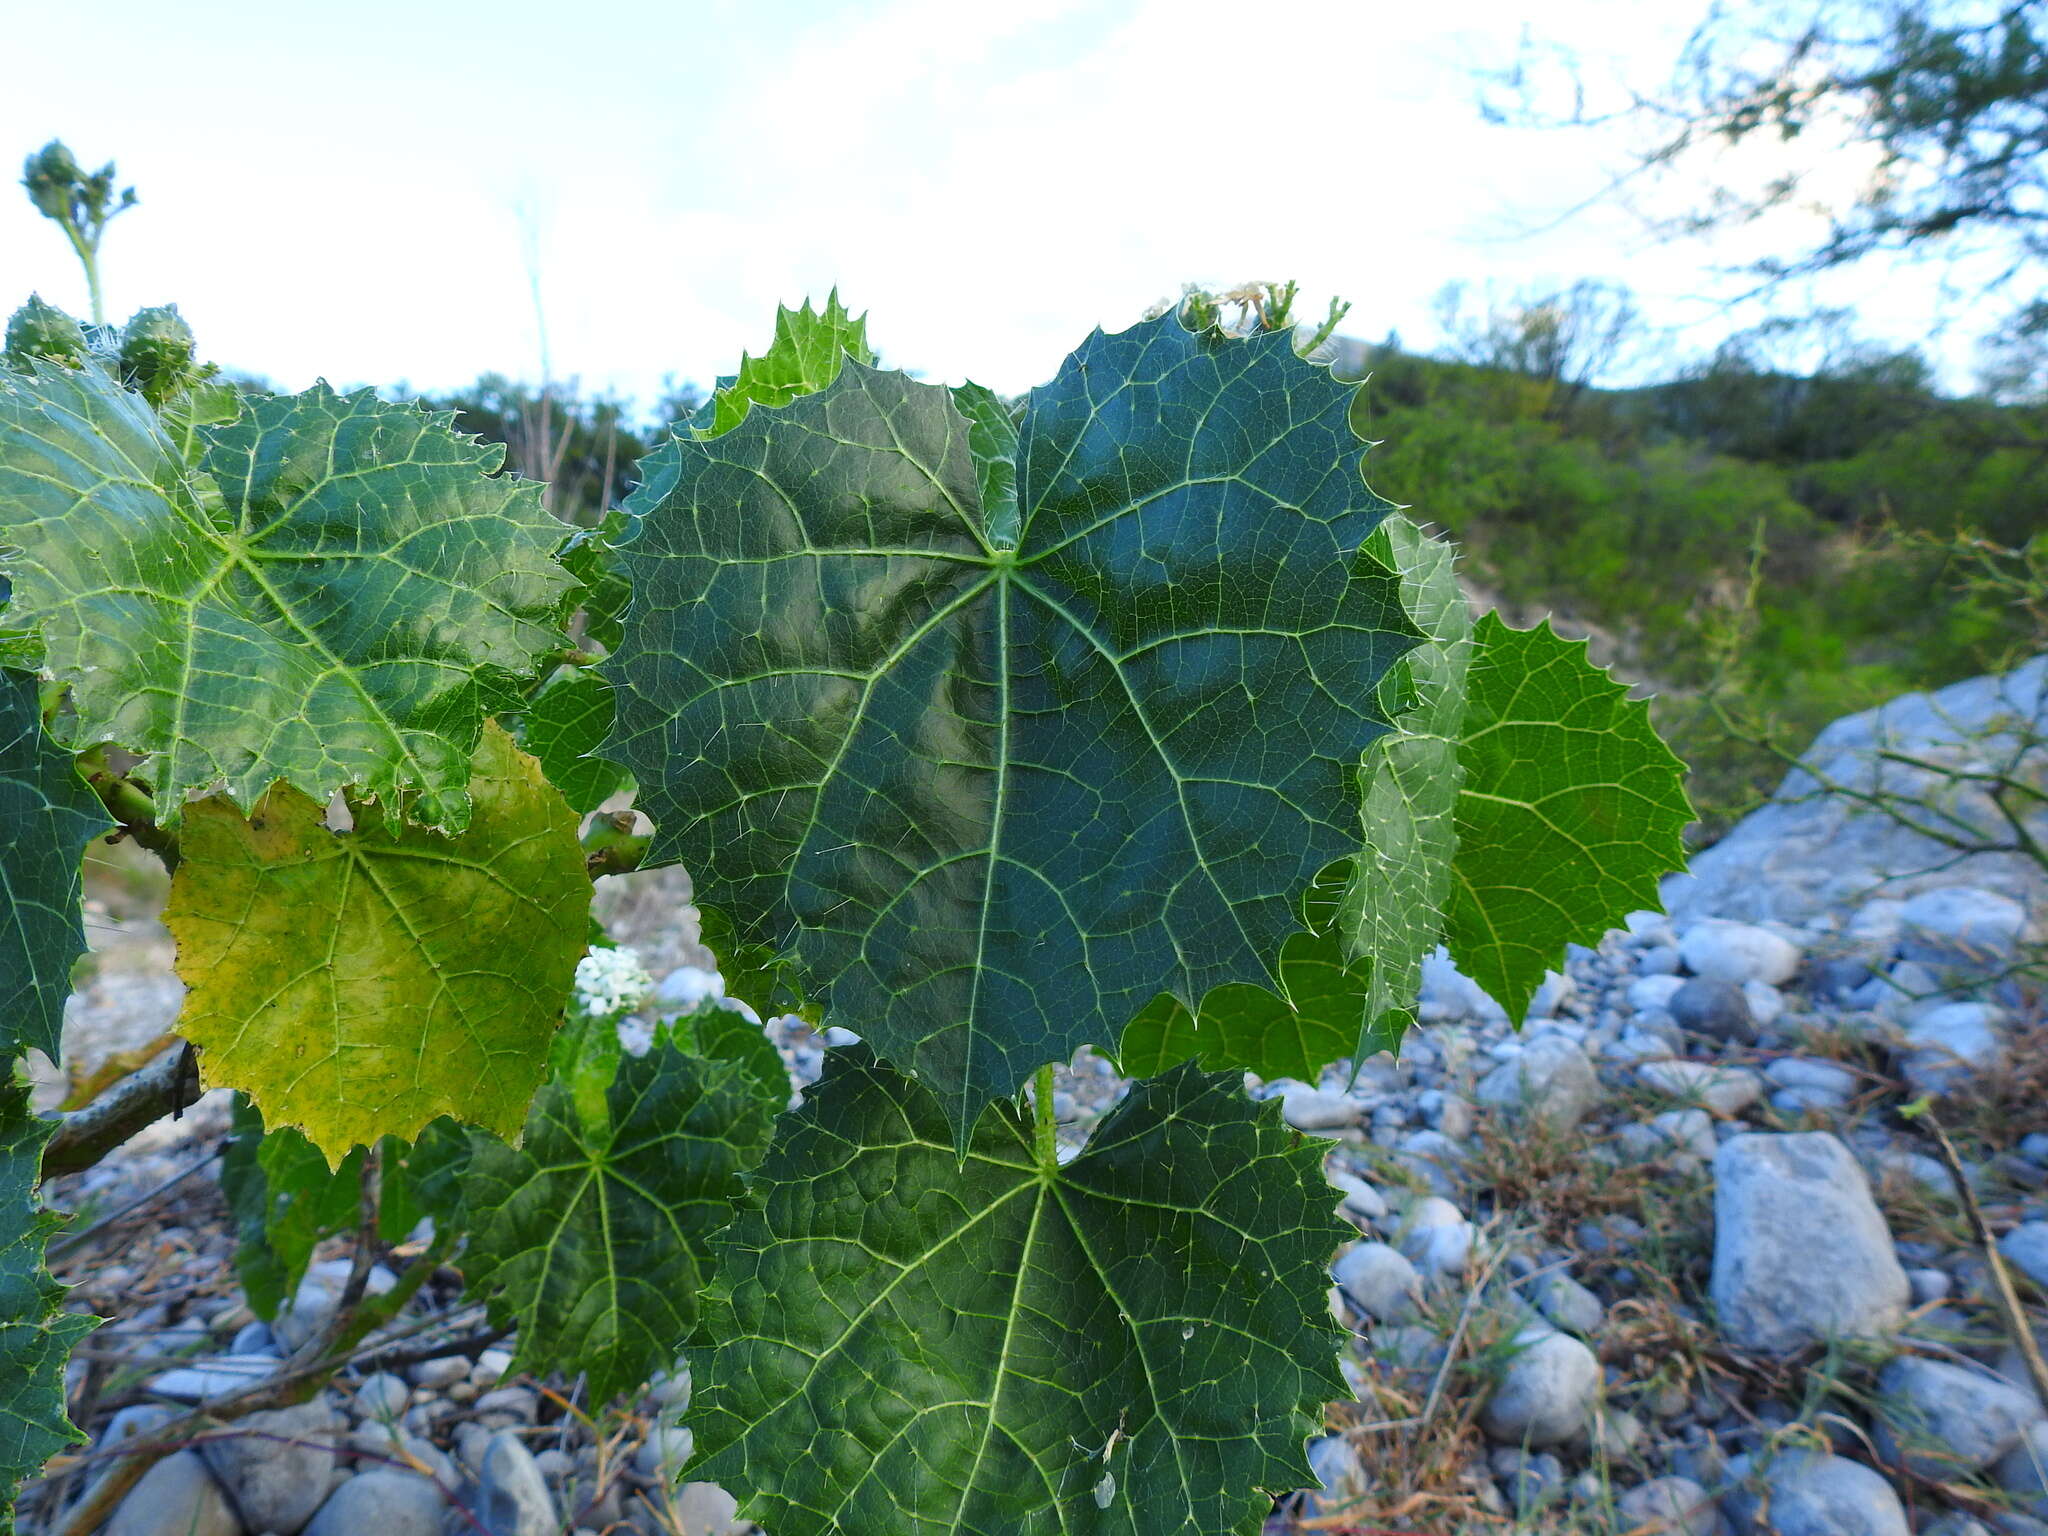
(611, 982)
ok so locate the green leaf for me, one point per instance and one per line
(330, 600)
(992, 439)
(809, 348)
(562, 725)
(285, 1200)
(1571, 809)
(358, 984)
(589, 556)
(591, 1238)
(1133, 1341)
(47, 816)
(35, 1337)
(1295, 1033)
(999, 799)
(722, 1034)
(1393, 913)
(757, 974)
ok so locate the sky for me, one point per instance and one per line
(621, 192)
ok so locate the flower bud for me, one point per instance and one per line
(43, 330)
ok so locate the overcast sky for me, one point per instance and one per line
(377, 192)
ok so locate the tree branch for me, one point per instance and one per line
(167, 1086)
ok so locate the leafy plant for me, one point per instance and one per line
(986, 727)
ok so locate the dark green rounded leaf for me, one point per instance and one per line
(590, 1237)
(1001, 797)
(47, 816)
(1133, 1341)
(35, 1337)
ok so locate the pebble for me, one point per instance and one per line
(1724, 1090)
(512, 1497)
(1806, 1493)
(212, 1377)
(1380, 1281)
(1948, 1044)
(705, 1509)
(1943, 1421)
(1552, 1082)
(381, 1501)
(490, 1368)
(439, 1375)
(1738, 952)
(1650, 993)
(1315, 1109)
(1360, 1199)
(1929, 1285)
(2024, 1469)
(176, 1497)
(664, 1451)
(1435, 1236)
(1545, 1392)
(2025, 1248)
(1716, 1009)
(278, 1474)
(521, 1402)
(1835, 981)
(1775, 1289)
(382, 1396)
(1804, 1072)
(1668, 1506)
(1567, 1304)
(1658, 960)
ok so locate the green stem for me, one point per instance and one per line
(89, 258)
(1048, 1131)
(129, 804)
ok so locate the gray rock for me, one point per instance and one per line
(1715, 1009)
(1313, 1109)
(490, 1368)
(671, 1389)
(137, 1419)
(277, 1475)
(382, 1396)
(1668, 1506)
(1724, 1090)
(1956, 1523)
(1435, 1237)
(1929, 1285)
(1807, 853)
(1952, 1042)
(2025, 1248)
(1380, 1280)
(1942, 1421)
(1658, 960)
(2034, 1148)
(1766, 1004)
(1808, 1101)
(1682, 1133)
(1804, 1493)
(177, 1497)
(1567, 1304)
(1552, 1081)
(382, 1501)
(1803, 1072)
(664, 1451)
(1835, 980)
(254, 1339)
(705, 1509)
(1738, 952)
(212, 1377)
(1546, 1390)
(1960, 925)
(1651, 994)
(1334, 1460)
(512, 1497)
(1775, 1288)
(2024, 1469)
(439, 1375)
(1360, 1199)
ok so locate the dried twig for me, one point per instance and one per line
(167, 1086)
(2001, 1278)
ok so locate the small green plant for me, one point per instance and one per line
(983, 726)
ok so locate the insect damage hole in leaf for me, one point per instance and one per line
(997, 794)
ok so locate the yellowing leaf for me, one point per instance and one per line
(358, 984)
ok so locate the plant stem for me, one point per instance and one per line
(129, 804)
(1047, 1128)
(2015, 1316)
(89, 258)
(165, 1087)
